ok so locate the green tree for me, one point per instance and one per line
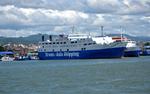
(2, 48)
(147, 44)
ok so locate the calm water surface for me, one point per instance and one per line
(96, 76)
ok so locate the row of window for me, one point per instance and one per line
(89, 43)
(72, 45)
(54, 43)
(61, 42)
(66, 50)
(65, 43)
(54, 46)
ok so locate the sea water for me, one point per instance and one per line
(89, 76)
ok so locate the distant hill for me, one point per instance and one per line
(36, 38)
(24, 40)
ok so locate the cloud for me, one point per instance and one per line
(49, 16)
(16, 33)
(102, 6)
(136, 7)
(90, 6)
(28, 17)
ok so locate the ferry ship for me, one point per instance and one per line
(132, 49)
(79, 46)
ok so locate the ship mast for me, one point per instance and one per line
(121, 30)
(73, 29)
(102, 33)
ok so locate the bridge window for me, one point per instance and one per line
(89, 43)
(85, 44)
(72, 41)
(83, 49)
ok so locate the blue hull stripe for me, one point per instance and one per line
(86, 54)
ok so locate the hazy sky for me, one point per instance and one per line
(26, 17)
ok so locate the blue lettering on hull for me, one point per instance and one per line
(86, 54)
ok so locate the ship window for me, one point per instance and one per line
(72, 41)
(46, 43)
(53, 50)
(64, 42)
(43, 46)
(44, 49)
(60, 42)
(75, 42)
(43, 43)
(60, 49)
(57, 42)
(67, 49)
(89, 43)
(85, 44)
(53, 42)
(83, 49)
(50, 43)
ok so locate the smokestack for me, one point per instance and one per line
(50, 37)
(42, 37)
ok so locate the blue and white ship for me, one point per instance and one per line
(79, 46)
(132, 49)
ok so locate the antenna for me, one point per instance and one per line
(42, 37)
(121, 30)
(73, 29)
(102, 28)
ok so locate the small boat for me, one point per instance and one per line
(20, 58)
(132, 49)
(145, 51)
(7, 58)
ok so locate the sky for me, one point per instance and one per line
(27, 17)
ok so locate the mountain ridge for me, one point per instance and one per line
(34, 39)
